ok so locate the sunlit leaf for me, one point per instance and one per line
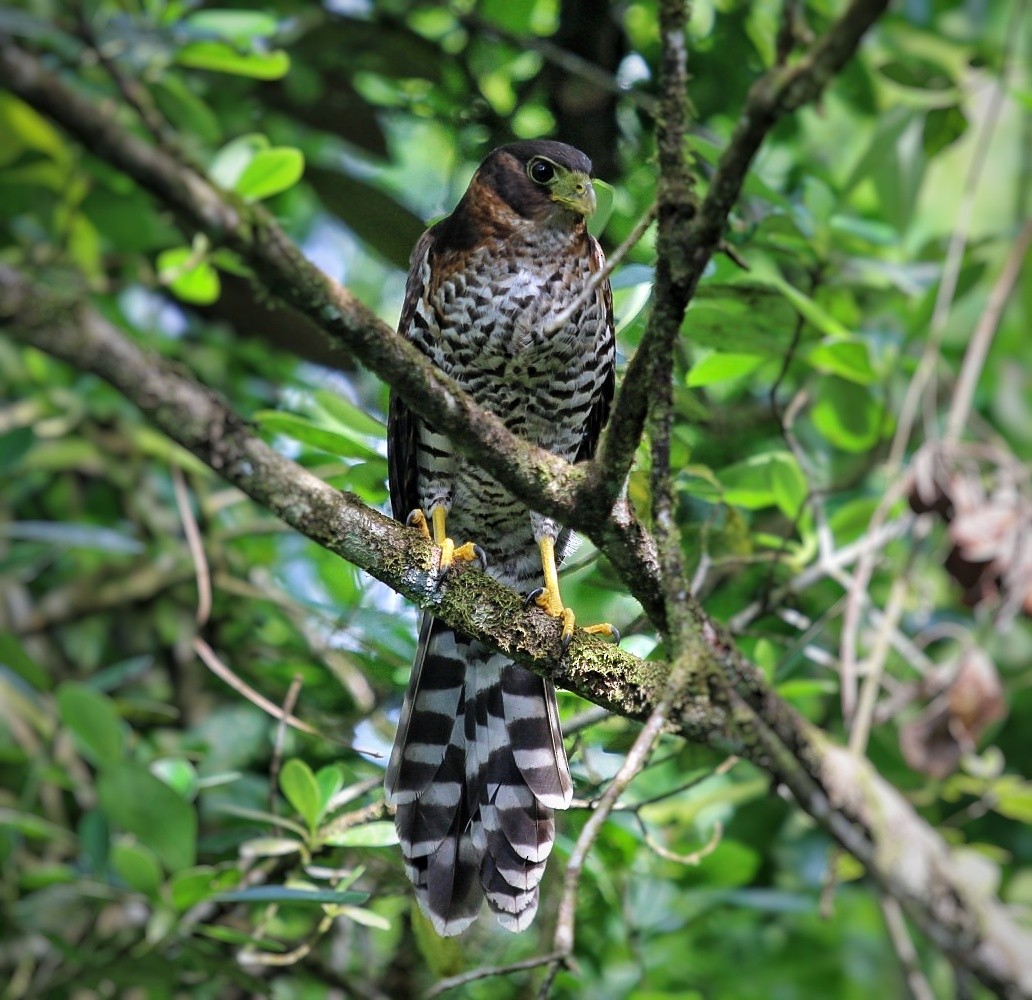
(718, 367)
(308, 432)
(189, 277)
(242, 26)
(221, 57)
(270, 172)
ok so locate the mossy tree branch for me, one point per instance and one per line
(841, 791)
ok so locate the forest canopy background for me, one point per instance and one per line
(849, 486)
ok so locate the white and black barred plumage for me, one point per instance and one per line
(478, 766)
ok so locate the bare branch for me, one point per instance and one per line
(454, 982)
(195, 545)
(978, 346)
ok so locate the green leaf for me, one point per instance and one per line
(851, 359)
(717, 367)
(179, 774)
(270, 172)
(281, 894)
(233, 159)
(846, 415)
(1014, 798)
(35, 827)
(808, 308)
(137, 802)
(788, 484)
(240, 26)
(298, 784)
(230, 935)
(94, 721)
(380, 833)
(13, 446)
(770, 479)
(344, 412)
(137, 866)
(807, 687)
(189, 277)
(184, 109)
(330, 781)
(220, 57)
(13, 656)
(191, 886)
(261, 817)
(306, 431)
(740, 318)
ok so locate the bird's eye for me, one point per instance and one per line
(541, 171)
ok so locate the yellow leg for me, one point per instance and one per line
(550, 600)
(450, 552)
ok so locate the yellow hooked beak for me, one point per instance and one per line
(573, 190)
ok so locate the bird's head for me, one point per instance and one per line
(541, 180)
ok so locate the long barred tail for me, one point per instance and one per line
(478, 767)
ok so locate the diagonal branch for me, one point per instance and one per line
(195, 417)
(843, 793)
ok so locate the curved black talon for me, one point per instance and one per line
(615, 634)
(532, 597)
(481, 558)
(564, 643)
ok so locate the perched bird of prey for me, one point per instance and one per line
(501, 297)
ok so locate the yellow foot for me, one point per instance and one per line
(450, 552)
(551, 603)
(548, 599)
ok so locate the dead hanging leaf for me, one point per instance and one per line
(991, 557)
(952, 723)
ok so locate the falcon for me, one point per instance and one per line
(504, 295)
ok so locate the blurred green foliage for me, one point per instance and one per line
(160, 831)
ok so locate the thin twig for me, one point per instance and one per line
(855, 597)
(864, 715)
(454, 982)
(691, 860)
(602, 275)
(281, 730)
(220, 670)
(978, 346)
(823, 568)
(636, 759)
(195, 544)
(917, 985)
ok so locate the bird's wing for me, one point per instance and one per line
(599, 413)
(402, 423)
